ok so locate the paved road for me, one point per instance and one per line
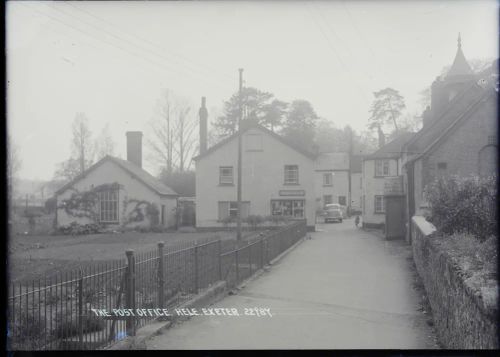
(344, 288)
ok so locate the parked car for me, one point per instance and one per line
(333, 213)
(342, 209)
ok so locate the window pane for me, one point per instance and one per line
(291, 174)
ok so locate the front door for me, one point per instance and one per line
(394, 217)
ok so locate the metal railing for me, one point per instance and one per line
(68, 311)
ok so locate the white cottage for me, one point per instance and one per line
(277, 178)
(117, 193)
(384, 163)
(331, 175)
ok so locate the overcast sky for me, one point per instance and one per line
(111, 60)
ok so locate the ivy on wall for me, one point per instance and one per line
(85, 204)
(141, 210)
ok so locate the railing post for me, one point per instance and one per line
(196, 269)
(161, 281)
(237, 267)
(219, 244)
(130, 291)
(262, 253)
(80, 309)
(250, 257)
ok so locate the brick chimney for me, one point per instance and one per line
(134, 147)
(203, 125)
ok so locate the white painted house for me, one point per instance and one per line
(117, 193)
(384, 163)
(331, 176)
(277, 178)
(356, 164)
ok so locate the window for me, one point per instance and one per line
(230, 209)
(342, 200)
(382, 168)
(108, 206)
(291, 175)
(253, 142)
(492, 139)
(288, 208)
(379, 204)
(441, 165)
(328, 179)
(226, 175)
(327, 199)
(233, 209)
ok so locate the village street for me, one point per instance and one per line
(343, 288)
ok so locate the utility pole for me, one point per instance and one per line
(238, 229)
(350, 169)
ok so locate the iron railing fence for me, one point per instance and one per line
(68, 311)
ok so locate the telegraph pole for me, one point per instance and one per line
(238, 229)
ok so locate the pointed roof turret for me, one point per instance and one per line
(460, 66)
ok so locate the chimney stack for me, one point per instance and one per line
(381, 137)
(134, 147)
(203, 126)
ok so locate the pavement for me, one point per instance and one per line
(342, 289)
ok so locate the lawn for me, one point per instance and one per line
(42, 256)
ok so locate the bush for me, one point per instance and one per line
(74, 228)
(68, 327)
(276, 220)
(463, 205)
(465, 247)
(254, 221)
(227, 221)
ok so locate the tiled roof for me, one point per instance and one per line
(392, 149)
(450, 115)
(140, 174)
(145, 177)
(260, 127)
(460, 66)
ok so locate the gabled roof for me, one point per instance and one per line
(134, 170)
(460, 66)
(249, 126)
(452, 112)
(431, 139)
(391, 150)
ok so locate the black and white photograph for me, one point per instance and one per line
(252, 175)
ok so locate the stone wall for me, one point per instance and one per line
(461, 317)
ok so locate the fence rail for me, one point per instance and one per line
(68, 312)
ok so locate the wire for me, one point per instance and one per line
(153, 44)
(339, 59)
(125, 40)
(160, 65)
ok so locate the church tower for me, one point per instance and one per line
(444, 89)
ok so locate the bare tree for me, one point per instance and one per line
(67, 170)
(81, 145)
(173, 141)
(161, 140)
(104, 144)
(13, 167)
(185, 146)
(82, 150)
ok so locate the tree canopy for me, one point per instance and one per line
(258, 106)
(386, 111)
(300, 123)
